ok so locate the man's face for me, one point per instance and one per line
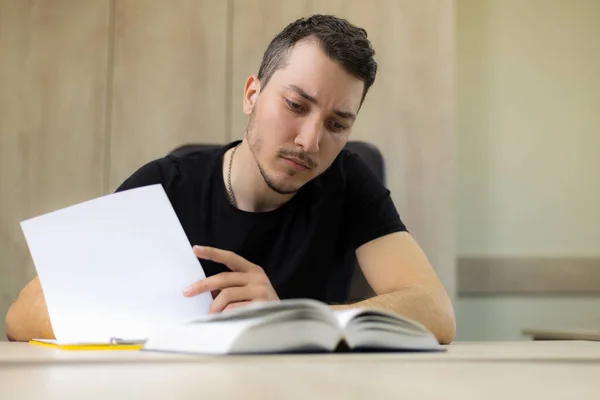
(302, 119)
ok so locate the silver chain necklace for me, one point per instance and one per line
(229, 187)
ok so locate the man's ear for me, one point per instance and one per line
(251, 91)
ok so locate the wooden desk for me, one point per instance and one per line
(534, 370)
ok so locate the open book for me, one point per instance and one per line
(292, 326)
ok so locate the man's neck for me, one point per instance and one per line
(250, 190)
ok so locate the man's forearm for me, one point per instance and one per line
(428, 307)
(28, 317)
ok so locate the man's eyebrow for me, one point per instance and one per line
(302, 93)
(345, 114)
(308, 97)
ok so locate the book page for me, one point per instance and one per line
(345, 316)
(216, 337)
(115, 266)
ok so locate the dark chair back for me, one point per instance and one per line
(347, 284)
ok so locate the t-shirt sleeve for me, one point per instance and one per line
(369, 209)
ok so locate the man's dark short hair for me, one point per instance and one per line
(339, 39)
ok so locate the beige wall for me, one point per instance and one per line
(528, 131)
(528, 127)
(126, 81)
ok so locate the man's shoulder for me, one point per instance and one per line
(351, 167)
(360, 179)
(195, 162)
(174, 170)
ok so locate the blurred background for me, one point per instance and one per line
(487, 113)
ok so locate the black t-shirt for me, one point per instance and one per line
(306, 247)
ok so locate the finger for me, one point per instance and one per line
(216, 282)
(231, 295)
(231, 306)
(233, 261)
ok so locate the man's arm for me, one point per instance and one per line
(405, 283)
(28, 317)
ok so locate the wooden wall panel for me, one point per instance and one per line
(408, 113)
(92, 90)
(170, 79)
(53, 73)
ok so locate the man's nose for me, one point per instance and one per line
(309, 136)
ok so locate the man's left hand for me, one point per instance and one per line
(245, 283)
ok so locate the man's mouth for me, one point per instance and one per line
(296, 163)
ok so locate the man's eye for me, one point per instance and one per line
(336, 126)
(294, 106)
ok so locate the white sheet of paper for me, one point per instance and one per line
(115, 266)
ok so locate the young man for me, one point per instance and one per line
(279, 213)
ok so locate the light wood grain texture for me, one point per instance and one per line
(408, 113)
(306, 380)
(52, 119)
(169, 83)
(357, 376)
(514, 351)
